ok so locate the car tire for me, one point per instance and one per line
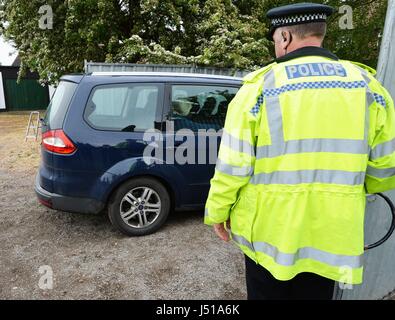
(139, 207)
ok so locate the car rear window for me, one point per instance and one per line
(59, 104)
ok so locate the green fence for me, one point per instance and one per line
(26, 95)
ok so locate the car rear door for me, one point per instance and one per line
(194, 119)
(107, 125)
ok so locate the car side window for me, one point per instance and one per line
(200, 107)
(123, 107)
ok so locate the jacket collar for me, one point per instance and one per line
(302, 52)
(307, 51)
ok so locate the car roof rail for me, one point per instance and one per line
(162, 74)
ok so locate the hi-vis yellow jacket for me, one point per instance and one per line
(304, 140)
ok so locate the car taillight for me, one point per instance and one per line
(56, 141)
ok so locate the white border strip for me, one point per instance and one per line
(2, 97)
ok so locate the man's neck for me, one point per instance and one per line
(307, 51)
(311, 42)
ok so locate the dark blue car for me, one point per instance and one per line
(99, 127)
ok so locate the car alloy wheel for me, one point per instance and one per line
(140, 207)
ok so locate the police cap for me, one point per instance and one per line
(299, 13)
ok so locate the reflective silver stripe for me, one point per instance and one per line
(369, 101)
(290, 259)
(233, 170)
(364, 74)
(236, 144)
(273, 111)
(274, 118)
(313, 145)
(243, 241)
(383, 149)
(310, 176)
(269, 80)
(205, 212)
(369, 97)
(380, 173)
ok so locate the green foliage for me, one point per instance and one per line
(212, 32)
(79, 29)
(220, 33)
(231, 39)
(208, 33)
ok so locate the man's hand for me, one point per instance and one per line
(221, 232)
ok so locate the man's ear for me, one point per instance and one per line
(285, 35)
(287, 39)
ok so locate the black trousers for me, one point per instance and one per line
(261, 285)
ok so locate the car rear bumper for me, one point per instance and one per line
(65, 203)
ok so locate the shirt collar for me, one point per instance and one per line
(307, 51)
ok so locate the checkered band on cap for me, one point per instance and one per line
(298, 19)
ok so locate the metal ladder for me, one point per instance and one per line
(31, 125)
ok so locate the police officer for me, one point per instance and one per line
(305, 139)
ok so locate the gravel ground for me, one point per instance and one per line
(88, 257)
